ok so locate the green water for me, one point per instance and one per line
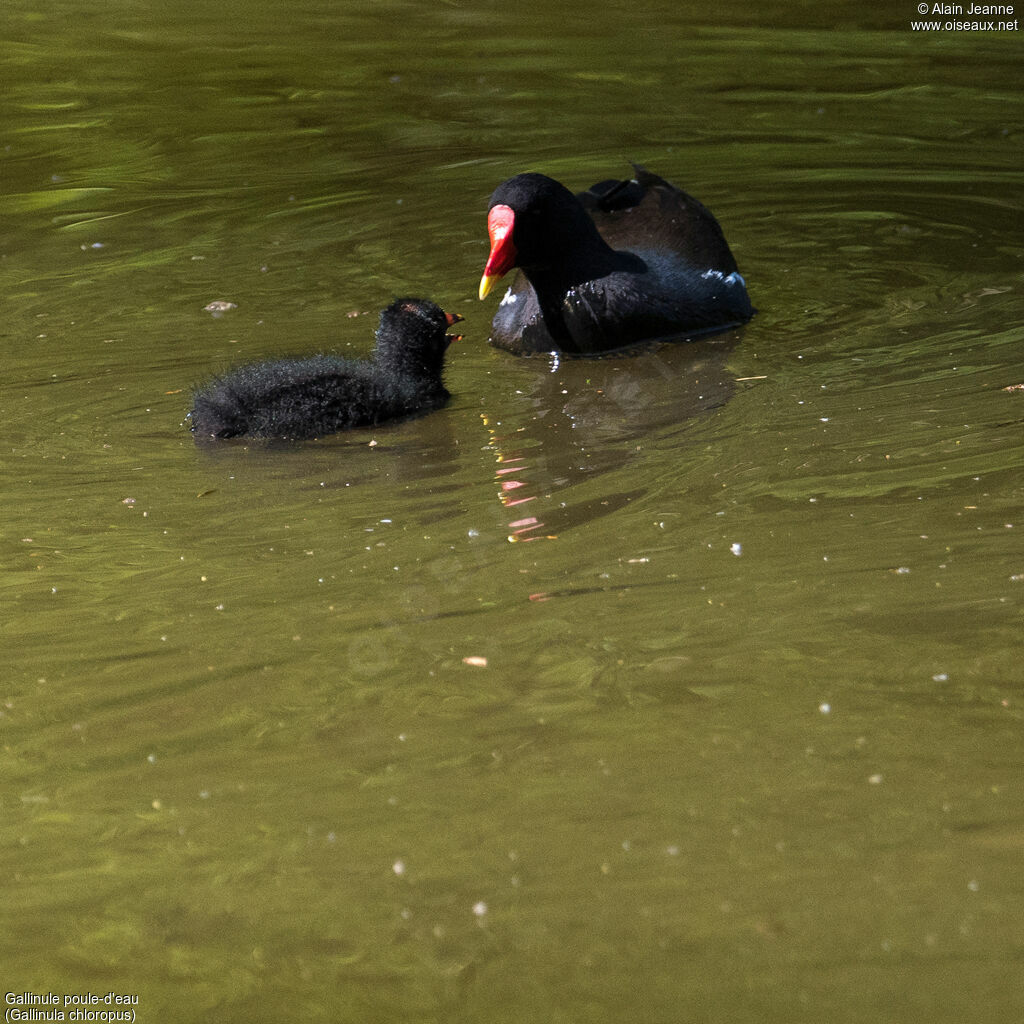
(679, 688)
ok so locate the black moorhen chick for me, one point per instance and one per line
(623, 262)
(305, 398)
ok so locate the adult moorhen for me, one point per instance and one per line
(623, 262)
(305, 398)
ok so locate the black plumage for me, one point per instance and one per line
(322, 394)
(623, 262)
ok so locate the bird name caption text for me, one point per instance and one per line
(96, 1007)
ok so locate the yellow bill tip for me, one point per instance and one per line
(486, 284)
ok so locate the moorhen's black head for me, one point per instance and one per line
(537, 224)
(411, 336)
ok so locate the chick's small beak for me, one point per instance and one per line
(453, 319)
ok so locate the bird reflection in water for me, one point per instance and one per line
(589, 419)
(511, 466)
